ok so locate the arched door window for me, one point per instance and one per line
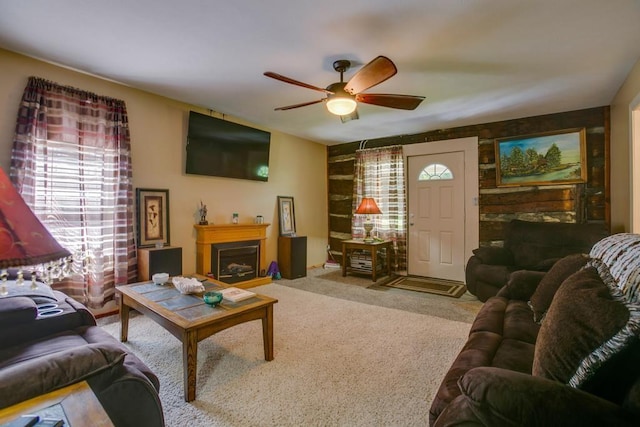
(435, 171)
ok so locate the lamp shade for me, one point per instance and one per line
(368, 206)
(24, 240)
(341, 106)
(340, 102)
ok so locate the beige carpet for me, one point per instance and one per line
(337, 363)
(429, 285)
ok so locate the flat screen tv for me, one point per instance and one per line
(217, 147)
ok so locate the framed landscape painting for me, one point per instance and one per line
(153, 217)
(542, 159)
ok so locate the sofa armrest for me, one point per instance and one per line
(494, 396)
(130, 400)
(494, 255)
(33, 377)
(16, 310)
(87, 317)
(521, 285)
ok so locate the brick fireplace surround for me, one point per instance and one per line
(207, 235)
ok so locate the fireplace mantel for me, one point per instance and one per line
(207, 235)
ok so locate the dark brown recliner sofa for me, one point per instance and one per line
(553, 349)
(41, 353)
(527, 246)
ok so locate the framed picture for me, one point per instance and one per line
(542, 159)
(287, 216)
(152, 207)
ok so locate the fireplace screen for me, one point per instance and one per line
(235, 262)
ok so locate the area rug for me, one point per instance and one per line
(337, 363)
(361, 288)
(429, 285)
(352, 278)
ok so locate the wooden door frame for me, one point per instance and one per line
(471, 186)
(634, 165)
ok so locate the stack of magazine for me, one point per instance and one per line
(331, 261)
(236, 294)
(331, 264)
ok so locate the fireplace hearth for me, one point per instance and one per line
(235, 262)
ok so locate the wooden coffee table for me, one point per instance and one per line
(190, 320)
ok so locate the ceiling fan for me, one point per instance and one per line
(343, 97)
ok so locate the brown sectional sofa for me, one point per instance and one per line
(527, 246)
(42, 353)
(555, 348)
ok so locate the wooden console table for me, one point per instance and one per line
(348, 246)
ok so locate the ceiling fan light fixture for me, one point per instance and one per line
(343, 97)
(340, 105)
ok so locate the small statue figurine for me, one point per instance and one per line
(203, 214)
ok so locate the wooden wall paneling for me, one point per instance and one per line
(492, 231)
(343, 206)
(341, 186)
(486, 152)
(498, 205)
(340, 223)
(531, 199)
(342, 165)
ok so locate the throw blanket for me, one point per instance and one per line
(617, 259)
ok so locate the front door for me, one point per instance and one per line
(436, 193)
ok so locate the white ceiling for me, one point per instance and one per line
(475, 61)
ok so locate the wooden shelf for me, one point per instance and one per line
(365, 270)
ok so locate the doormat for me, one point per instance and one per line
(430, 285)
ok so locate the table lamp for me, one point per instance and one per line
(368, 207)
(25, 243)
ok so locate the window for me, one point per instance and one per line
(71, 163)
(75, 196)
(435, 171)
(379, 173)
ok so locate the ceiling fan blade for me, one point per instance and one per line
(304, 104)
(348, 117)
(375, 72)
(402, 102)
(295, 82)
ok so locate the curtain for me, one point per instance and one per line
(379, 173)
(71, 162)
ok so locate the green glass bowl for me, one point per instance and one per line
(212, 298)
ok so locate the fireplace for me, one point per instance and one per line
(236, 261)
(240, 234)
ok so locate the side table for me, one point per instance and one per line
(348, 246)
(80, 406)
